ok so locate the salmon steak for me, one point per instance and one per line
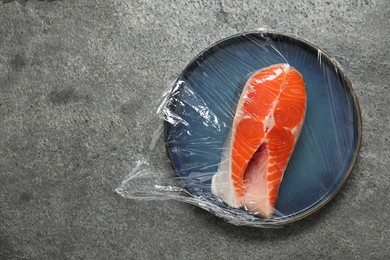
(267, 122)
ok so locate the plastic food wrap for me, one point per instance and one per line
(260, 129)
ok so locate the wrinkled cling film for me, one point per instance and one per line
(195, 116)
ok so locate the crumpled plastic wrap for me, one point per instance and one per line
(193, 118)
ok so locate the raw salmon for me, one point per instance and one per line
(267, 123)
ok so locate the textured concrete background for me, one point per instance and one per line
(76, 76)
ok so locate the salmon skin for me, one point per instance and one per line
(267, 123)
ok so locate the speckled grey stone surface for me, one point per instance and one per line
(76, 76)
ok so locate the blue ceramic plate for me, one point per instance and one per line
(202, 105)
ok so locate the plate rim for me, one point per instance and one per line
(348, 83)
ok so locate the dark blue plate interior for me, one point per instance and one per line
(202, 105)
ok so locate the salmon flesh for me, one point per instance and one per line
(267, 123)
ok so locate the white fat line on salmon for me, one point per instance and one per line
(269, 121)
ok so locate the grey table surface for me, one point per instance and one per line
(77, 76)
